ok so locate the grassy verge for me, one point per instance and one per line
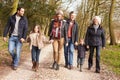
(111, 57)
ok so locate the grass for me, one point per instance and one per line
(111, 57)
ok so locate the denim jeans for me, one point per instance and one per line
(35, 52)
(90, 60)
(68, 52)
(15, 49)
(80, 61)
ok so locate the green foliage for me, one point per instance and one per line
(111, 57)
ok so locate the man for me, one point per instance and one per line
(17, 26)
(57, 33)
(72, 34)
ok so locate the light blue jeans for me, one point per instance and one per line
(68, 52)
(14, 48)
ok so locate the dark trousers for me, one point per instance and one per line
(90, 60)
(80, 61)
(35, 52)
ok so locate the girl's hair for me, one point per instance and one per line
(39, 30)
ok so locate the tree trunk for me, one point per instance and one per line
(14, 6)
(111, 28)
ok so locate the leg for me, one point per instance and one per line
(78, 61)
(18, 51)
(55, 52)
(66, 55)
(81, 63)
(37, 59)
(98, 59)
(90, 60)
(71, 51)
(11, 48)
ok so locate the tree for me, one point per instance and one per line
(111, 28)
(14, 6)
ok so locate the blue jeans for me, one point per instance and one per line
(68, 52)
(90, 60)
(35, 52)
(15, 49)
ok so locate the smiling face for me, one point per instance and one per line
(59, 16)
(72, 16)
(21, 12)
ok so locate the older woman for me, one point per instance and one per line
(95, 39)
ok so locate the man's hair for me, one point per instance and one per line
(19, 8)
(72, 12)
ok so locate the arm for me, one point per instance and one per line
(50, 30)
(103, 38)
(25, 29)
(86, 37)
(76, 33)
(7, 27)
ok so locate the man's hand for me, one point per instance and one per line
(5, 39)
(88, 47)
(66, 44)
(51, 41)
(76, 43)
(22, 40)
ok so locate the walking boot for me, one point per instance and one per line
(33, 65)
(57, 66)
(37, 67)
(54, 65)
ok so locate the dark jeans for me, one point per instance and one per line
(90, 60)
(35, 52)
(80, 61)
(68, 52)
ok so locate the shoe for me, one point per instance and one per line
(34, 64)
(54, 65)
(57, 66)
(78, 65)
(66, 66)
(89, 68)
(14, 67)
(37, 67)
(71, 67)
(97, 71)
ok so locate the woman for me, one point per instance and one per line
(95, 39)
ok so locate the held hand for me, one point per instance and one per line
(103, 47)
(5, 39)
(51, 41)
(66, 44)
(22, 40)
(76, 43)
(88, 47)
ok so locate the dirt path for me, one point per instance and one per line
(24, 71)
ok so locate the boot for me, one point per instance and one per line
(57, 66)
(34, 64)
(54, 65)
(37, 67)
(80, 68)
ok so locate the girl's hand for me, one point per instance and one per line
(51, 41)
(66, 44)
(76, 43)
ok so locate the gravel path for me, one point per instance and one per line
(45, 72)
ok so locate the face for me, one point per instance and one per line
(59, 16)
(72, 16)
(95, 21)
(21, 12)
(36, 29)
(81, 41)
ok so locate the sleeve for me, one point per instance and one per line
(86, 37)
(7, 27)
(76, 33)
(65, 32)
(50, 30)
(103, 38)
(25, 29)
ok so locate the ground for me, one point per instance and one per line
(45, 72)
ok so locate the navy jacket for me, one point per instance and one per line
(95, 39)
(63, 30)
(81, 50)
(22, 26)
(74, 31)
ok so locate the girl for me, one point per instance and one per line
(36, 43)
